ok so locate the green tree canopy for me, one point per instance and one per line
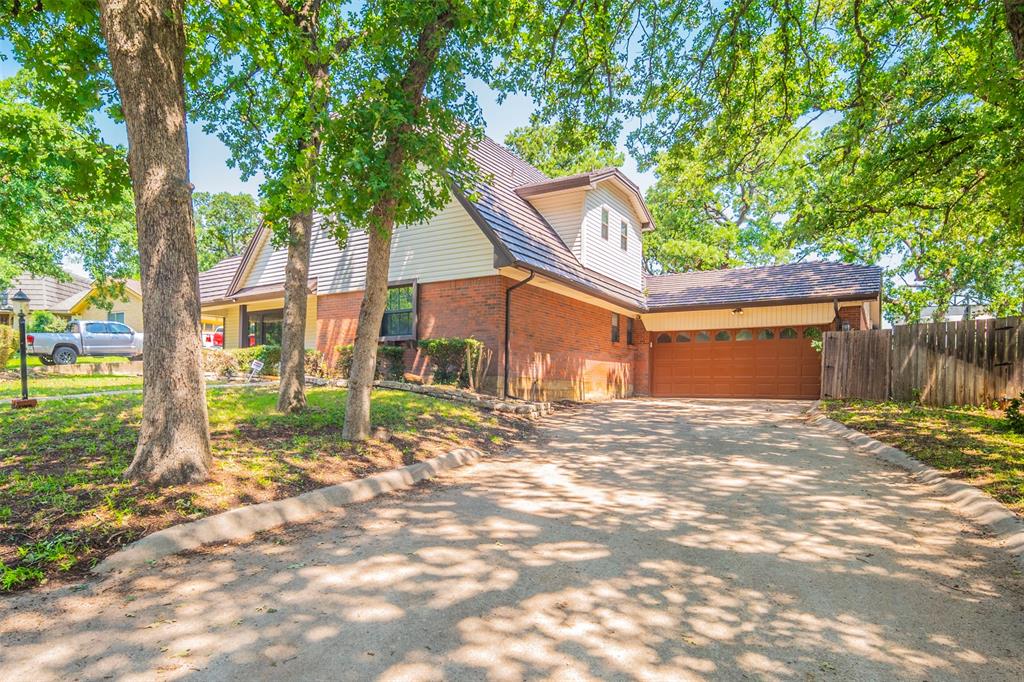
(918, 105)
(224, 224)
(559, 150)
(64, 193)
(711, 211)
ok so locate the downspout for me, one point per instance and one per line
(508, 331)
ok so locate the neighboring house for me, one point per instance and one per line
(45, 293)
(127, 309)
(956, 313)
(548, 274)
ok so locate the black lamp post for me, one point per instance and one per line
(20, 300)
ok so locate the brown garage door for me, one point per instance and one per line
(772, 362)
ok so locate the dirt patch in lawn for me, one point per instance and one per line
(971, 444)
(65, 506)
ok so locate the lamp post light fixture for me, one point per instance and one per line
(20, 301)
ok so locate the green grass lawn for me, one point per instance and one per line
(972, 444)
(64, 505)
(69, 384)
(14, 362)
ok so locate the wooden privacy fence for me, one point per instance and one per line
(944, 363)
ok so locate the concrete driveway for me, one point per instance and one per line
(668, 540)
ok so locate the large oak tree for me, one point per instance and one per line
(129, 55)
(263, 75)
(915, 110)
(403, 137)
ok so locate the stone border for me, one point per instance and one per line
(966, 499)
(131, 391)
(89, 368)
(244, 522)
(521, 407)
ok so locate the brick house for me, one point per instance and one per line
(548, 274)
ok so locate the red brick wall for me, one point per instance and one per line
(336, 319)
(855, 316)
(561, 347)
(462, 308)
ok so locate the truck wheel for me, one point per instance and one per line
(65, 355)
(136, 358)
(47, 360)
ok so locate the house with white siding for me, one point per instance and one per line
(548, 274)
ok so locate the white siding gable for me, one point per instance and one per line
(606, 255)
(449, 246)
(564, 212)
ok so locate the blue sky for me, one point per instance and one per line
(211, 173)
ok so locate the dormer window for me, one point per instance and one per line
(624, 235)
(604, 223)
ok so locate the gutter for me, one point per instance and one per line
(508, 331)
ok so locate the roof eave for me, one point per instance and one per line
(761, 303)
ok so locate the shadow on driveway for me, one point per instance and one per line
(635, 539)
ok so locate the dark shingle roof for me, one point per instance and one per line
(213, 284)
(523, 238)
(46, 292)
(521, 234)
(805, 282)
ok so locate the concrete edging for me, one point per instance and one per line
(244, 522)
(526, 408)
(966, 499)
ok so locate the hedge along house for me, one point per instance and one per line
(548, 275)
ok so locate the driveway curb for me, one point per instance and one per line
(966, 499)
(244, 522)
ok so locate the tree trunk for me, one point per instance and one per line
(371, 312)
(378, 256)
(291, 396)
(146, 44)
(1015, 25)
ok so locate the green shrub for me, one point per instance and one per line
(270, 355)
(43, 321)
(316, 364)
(8, 344)
(1014, 416)
(391, 362)
(454, 359)
(219, 362)
(343, 360)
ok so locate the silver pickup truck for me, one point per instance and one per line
(85, 337)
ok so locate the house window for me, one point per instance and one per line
(615, 327)
(664, 338)
(265, 328)
(604, 223)
(723, 336)
(702, 337)
(744, 335)
(788, 333)
(682, 337)
(400, 313)
(629, 331)
(624, 235)
(765, 335)
(115, 317)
